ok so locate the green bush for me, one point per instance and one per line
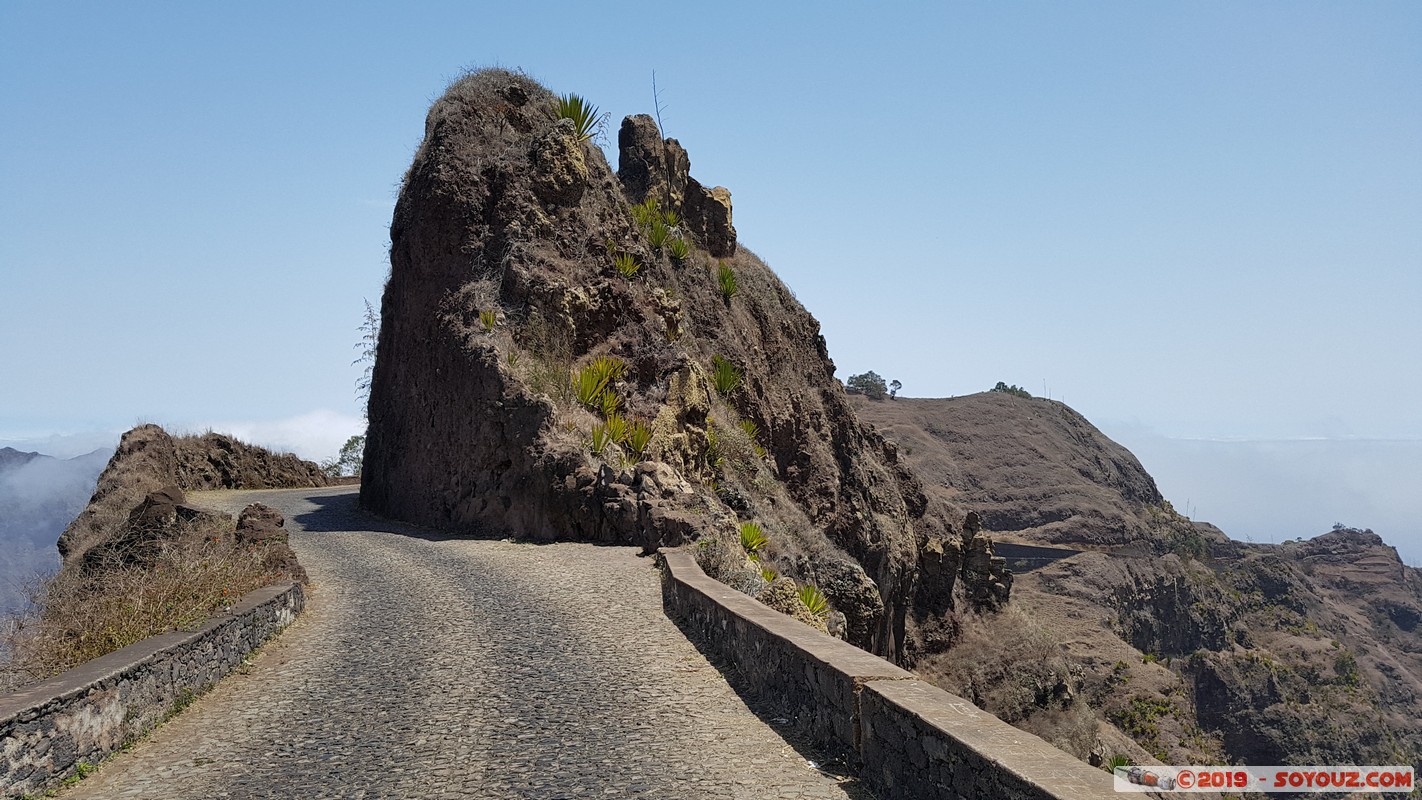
(581, 112)
(726, 278)
(753, 433)
(646, 212)
(489, 318)
(869, 384)
(1014, 390)
(725, 375)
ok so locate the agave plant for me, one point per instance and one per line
(588, 387)
(678, 249)
(658, 234)
(768, 574)
(600, 439)
(609, 403)
(725, 375)
(581, 112)
(639, 435)
(627, 264)
(671, 218)
(488, 318)
(726, 277)
(753, 537)
(814, 600)
(616, 428)
(646, 212)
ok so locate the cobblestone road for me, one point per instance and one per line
(428, 667)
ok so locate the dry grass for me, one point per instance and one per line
(81, 615)
(1012, 666)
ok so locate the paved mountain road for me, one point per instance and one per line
(433, 667)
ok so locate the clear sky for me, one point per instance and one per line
(1190, 221)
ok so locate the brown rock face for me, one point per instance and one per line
(475, 429)
(139, 498)
(1030, 467)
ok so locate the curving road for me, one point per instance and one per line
(432, 667)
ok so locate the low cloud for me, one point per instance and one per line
(38, 500)
(1272, 490)
(315, 436)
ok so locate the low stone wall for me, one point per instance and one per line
(909, 738)
(49, 728)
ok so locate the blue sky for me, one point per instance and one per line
(1190, 221)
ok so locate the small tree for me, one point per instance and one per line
(870, 384)
(348, 462)
(1015, 390)
(894, 387)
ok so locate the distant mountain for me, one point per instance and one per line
(10, 458)
(39, 496)
(1195, 647)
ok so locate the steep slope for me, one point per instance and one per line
(504, 286)
(1029, 467)
(1196, 647)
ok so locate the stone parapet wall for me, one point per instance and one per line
(909, 738)
(80, 717)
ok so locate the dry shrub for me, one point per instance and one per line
(1009, 665)
(81, 615)
(546, 363)
(1072, 729)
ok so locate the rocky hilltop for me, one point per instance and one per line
(1193, 646)
(521, 264)
(149, 459)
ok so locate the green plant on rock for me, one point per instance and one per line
(726, 278)
(489, 318)
(753, 431)
(581, 112)
(627, 264)
(609, 403)
(671, 218)
(639, 435)
(616, 428)
(814, 600)
(725, 375)
(678, 249)
(1116, 761)
(768, 574)
(753, 537)
(646, 212)
(600, 439)
(658, 234)
(593, 383)
(713, 445)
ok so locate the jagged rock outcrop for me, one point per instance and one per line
(650, 166)
(503, 282)
(148, 460)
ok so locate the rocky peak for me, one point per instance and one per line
(650, 166)
(504, 287)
